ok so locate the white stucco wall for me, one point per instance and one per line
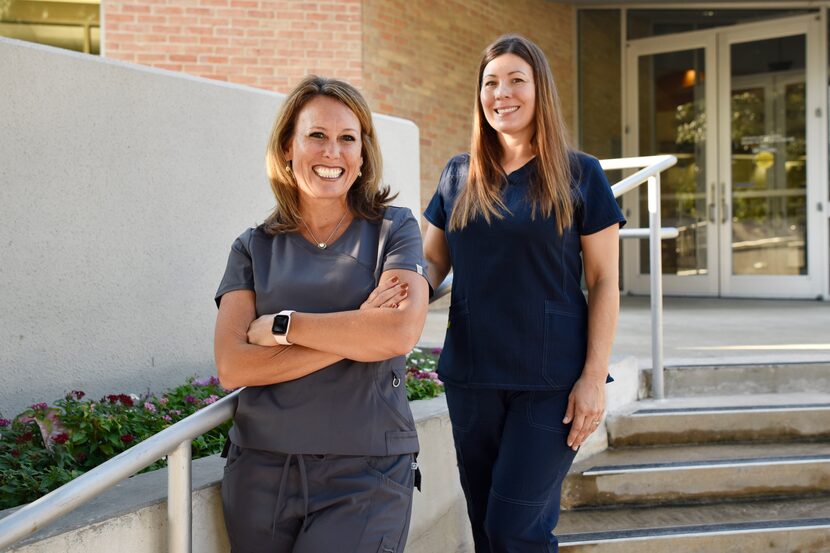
(121, 190)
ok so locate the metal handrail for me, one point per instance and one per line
(175, 442)
(650, 169)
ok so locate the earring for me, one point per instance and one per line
(360, 173)
(288, 168)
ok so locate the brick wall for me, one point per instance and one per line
(600, 96)
(268, 44)
(420, 60)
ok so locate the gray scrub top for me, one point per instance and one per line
(350, 407)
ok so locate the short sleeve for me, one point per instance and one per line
(404, 250)
(434, 212)
(239, 274)
(440, 206)
(597, 208)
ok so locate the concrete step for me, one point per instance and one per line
(797, 526)
(697, 474)
(683, 381)
(743, 418)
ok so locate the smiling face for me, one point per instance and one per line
(325, 149)
(508, 96)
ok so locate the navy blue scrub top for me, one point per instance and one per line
(518, 317)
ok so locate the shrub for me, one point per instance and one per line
(45, 446)
(421, 379)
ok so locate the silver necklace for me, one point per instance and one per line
(325, 244)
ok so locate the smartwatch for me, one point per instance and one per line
(282, 323)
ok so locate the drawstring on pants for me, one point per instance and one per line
(279, 507)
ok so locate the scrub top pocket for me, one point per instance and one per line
(565, 343)
(454, 365)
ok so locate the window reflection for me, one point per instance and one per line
(64, 24)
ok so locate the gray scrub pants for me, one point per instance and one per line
(292, 503)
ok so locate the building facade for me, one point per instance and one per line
(736, 90)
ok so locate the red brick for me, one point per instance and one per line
(167, 10)
(213, 59)
(135, 8)
(198, 30)
(184, 39)
(199, 11)
(117, 18)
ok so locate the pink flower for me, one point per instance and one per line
(210, 381)
(190, 399)
(168, 418)
(5, 422)
(127, 438)
(149, 406)
(39, 406)
(77, 394)
(210, 399)
(164, 400)
(61, 438)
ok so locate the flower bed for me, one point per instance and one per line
(46, 446)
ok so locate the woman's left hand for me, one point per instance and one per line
(586, 405)
(259, 331)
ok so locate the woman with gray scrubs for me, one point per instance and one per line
(317, 307)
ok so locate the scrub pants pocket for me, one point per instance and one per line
(392, 502)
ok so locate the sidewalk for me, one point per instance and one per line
(700, 331)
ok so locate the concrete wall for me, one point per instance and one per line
(122, 189)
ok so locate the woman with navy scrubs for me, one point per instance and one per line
(525, 361)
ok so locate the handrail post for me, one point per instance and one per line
(179, 499)
(656, 270)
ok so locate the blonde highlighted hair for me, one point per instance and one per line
(550, 191)
(366, 198)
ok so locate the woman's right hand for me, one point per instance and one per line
(387, 294)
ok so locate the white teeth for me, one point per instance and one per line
(327, 173)
(502, 111)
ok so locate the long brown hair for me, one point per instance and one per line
(551, 191)
(366, 198)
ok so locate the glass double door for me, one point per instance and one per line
(734, 106)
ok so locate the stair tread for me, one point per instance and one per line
(698, 454)
(659, 518)
(703, 404)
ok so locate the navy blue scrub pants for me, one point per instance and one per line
(512, 458)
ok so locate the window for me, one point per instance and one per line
(74, 25)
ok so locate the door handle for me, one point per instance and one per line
(724, 207)
(711, 206)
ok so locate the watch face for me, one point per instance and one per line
(280, 325)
